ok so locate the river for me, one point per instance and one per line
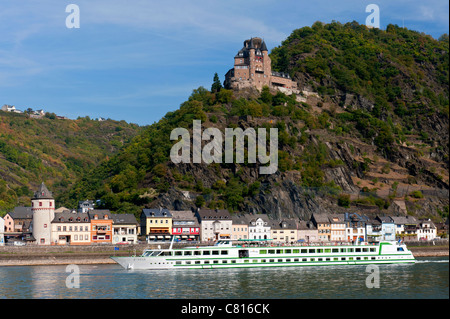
(427, 278)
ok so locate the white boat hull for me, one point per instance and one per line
(287, 256)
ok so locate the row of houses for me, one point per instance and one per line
(211, 225)
(44, 225)
(12, 109)
(73, 227)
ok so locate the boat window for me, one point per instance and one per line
(262, 252)
(197, 262)
(271, 251)
(224, 252)
(350, 250)
(206, 262)
(320, 251)
(328, 250)
(372, 250)
(343, 250)
(287, 251)
(178, 263)
(155, 253)
(312, 251)
(319, 259)
(271, 260)
(197, 252)
(215, 252)
(365, 250)
(244, 253)
(335, 258)
(147, 253)
(178, 253)
(188, 253)
(206, 252)
(328, 259)
(400, 249)
(335, 250)
(358, 250)
(304, 251)
(296, 251)
(167, 253)
(279, 251)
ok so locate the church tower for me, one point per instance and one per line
(43, 209)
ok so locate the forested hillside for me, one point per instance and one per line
(53, 151)
(368, 133)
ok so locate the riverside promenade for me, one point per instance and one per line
(99, 254)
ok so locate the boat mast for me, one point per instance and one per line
(171, 242)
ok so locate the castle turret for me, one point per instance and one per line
(43, 209)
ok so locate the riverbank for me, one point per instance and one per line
(430, 251)
(85, 255)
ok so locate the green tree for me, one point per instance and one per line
(216, 86)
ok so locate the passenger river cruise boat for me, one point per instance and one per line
(225, 255)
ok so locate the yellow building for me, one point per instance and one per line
(156, 224)
(323, 224)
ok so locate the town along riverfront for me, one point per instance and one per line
(427, 278)
(99, 254)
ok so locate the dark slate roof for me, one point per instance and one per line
(321, 218)
(284, 224)
(156, 212)
(124, 219)
(21, 213)
(263, 46)
(100, 213)
(43, 192)
(68, 216)
(306, 225)
(214, 214)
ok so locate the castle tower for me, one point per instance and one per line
(43, 209)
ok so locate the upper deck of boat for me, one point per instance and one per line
(243, 244)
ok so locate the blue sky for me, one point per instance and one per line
(137, 60)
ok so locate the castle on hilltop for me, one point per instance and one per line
(252, 68)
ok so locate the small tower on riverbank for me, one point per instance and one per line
(43, 209)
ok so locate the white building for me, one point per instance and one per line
(8, 108)
(125, 228)
(71, 228)
(43, 209)
(355, 227)
(258, 227)
(337, 228)
(426, 230)
(307, 232)
(215, 224)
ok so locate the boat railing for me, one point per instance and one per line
(303, 244)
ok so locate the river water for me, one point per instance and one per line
(427, 278)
